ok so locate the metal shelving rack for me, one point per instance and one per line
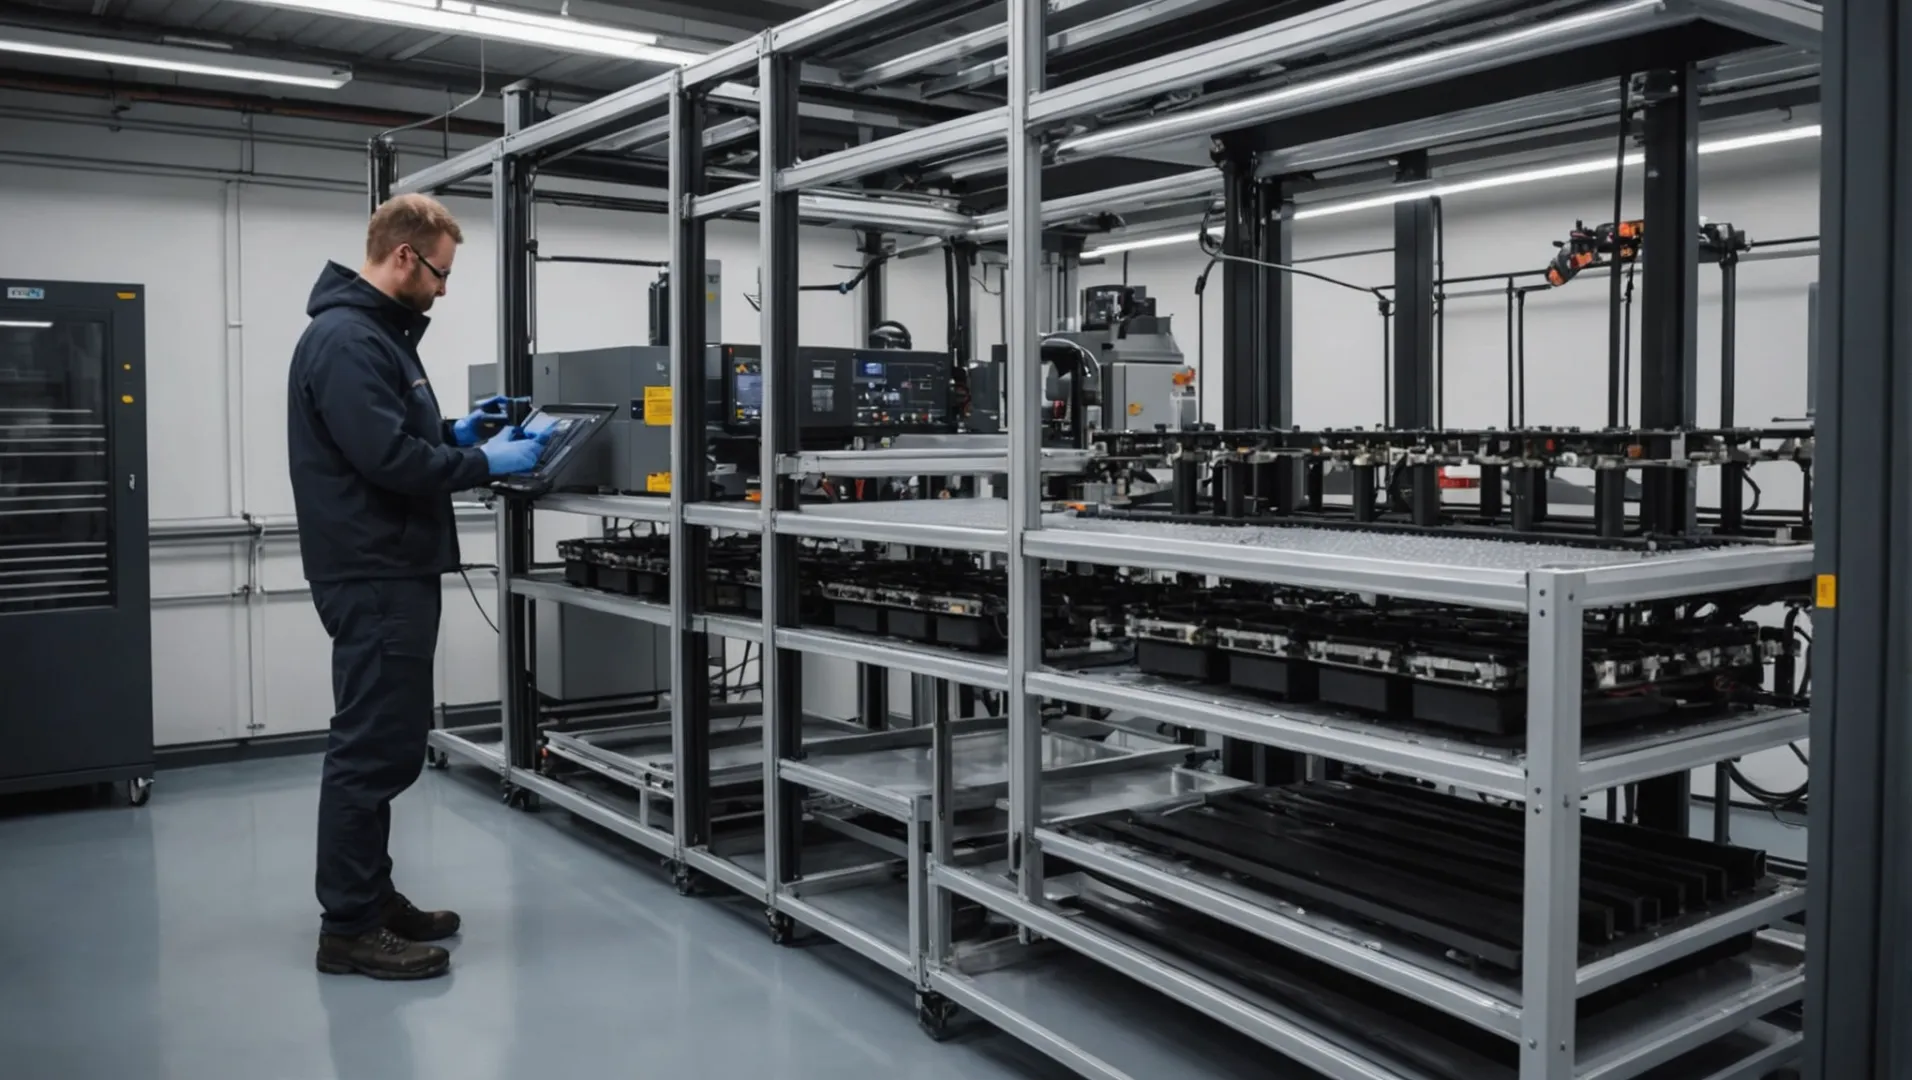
(893, 901)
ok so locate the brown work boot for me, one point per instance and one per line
(403, 918)
(381, 954)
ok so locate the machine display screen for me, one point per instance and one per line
(540, 423)
(749, 396)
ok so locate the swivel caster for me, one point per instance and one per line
(687, 881)
(139, 790)
(783, 930)
(437, 759)
(934, 1014)
(520, 799)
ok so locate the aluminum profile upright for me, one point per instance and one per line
(690, 649)
(511, 184)
(778, 75)
(1027, 61)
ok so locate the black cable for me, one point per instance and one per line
(1614, 330)
(1213, 249)
(474, 595)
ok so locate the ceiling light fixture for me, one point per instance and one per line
(1590, 166)
(499, 24)
(17, 324)
(140, 54)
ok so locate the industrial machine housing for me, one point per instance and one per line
(75, 604)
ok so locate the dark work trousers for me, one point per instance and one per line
(384, 634)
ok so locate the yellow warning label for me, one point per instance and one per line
(126, 399)
(1135, 408)
(1827, 591)
(657, 406)
(129, 296)
(658, 483)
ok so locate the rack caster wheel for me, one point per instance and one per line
(519, 799)
(934, 1014)
(139, 791)
(688, 882)
(436, 759)
(782, 929)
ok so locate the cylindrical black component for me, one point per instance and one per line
(1732, 498)
(1235, 480)
(1317, 471)
(1728, 338)
(1610, 502)
(1364, 493)
(1274, 488)
(1185, 484)
(1424, 494)
(1528, 488)
(1490, 482)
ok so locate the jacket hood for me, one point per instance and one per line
(341, 287)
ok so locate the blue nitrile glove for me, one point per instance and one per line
(510, 452)
(465, 432)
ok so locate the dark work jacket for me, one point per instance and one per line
(372, 468)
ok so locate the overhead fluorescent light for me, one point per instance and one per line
(140, 54)
(18, 324)
(1588, 166)
(1143, 245)
(499, 24)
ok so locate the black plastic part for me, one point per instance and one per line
(783, 930)
(1490, 492)
(935, 1014)
(1363, 492)
(1368, 691)
(1179, 661)
(910, 625)
(1290, 680)
(1609, 502)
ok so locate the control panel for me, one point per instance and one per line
(901, 391)
(847, 392)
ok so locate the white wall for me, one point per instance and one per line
(226, 669)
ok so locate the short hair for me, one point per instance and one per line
(418, 220)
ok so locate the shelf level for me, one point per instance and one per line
(624, 507)
(552, 587)
(1415, 972)
(1067, 1007)
(1333, 734)
(1682, 1028)
(970, 669)
(956, 524)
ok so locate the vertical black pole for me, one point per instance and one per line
(1669, 343)
(1732, 478)
(381, 170)
(1669, 337)
(1415, 254)
(1616, 330)
(1859, 966)
(690, 483)
(1413, 301)
(872, 682)
(1257, 373)
(1274, 336)
(1243, 372)
(511, 214)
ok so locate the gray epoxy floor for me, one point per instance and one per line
(175, 942)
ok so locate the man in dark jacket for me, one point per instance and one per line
(373, 469)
